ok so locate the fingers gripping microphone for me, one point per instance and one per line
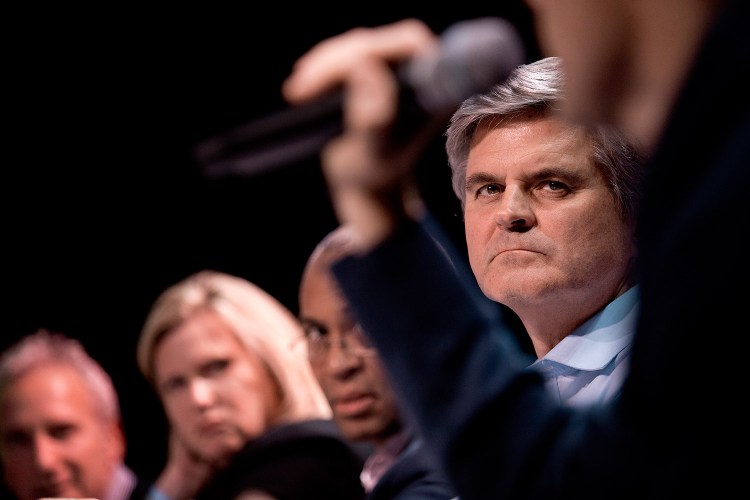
(472, 56)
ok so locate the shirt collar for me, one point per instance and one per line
(596, 342)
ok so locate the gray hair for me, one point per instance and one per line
(43, 347)
(537, 88)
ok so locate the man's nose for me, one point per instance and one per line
(46, 451)
(514, 210)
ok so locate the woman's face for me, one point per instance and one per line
(217, 394)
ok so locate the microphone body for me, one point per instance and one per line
(472, 56)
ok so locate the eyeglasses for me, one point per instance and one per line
(353, 340)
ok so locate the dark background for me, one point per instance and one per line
(103, 203)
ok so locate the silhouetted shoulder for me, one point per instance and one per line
(307, 459)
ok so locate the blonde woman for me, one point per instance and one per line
(245, 410)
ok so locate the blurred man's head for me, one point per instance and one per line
(60, 432)
(345, 363)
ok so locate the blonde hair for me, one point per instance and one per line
(261, 323)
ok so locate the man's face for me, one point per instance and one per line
(542, 229)
(217, 394)
(52, 442)
(353, 379)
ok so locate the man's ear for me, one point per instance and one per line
(116, 440)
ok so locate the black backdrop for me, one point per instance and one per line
(103, 204)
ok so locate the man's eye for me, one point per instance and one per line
(62, 431)
(556, 185)
(314, 333)
(16, 438)
(488, 190)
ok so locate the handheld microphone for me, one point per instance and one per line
(472, 56)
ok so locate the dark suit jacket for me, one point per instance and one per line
(141, 489)
(676, 428)
(305, 460)
(414, 475)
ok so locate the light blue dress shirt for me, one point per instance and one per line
(589, 365)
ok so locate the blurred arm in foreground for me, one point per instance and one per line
(663, 82)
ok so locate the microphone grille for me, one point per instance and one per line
(472, 56)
